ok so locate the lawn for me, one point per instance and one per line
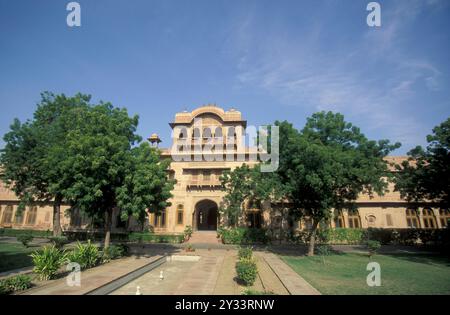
(13, 256)
(400, 273)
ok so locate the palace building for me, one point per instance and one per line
(197, 163)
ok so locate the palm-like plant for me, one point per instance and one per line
(48, 261)
(87, 255)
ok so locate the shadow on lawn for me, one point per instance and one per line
(10, 261)
(298, 250)
(412, 256)
(426, 259)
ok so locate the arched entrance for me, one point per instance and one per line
(206, 216)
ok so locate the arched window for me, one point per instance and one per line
(218, 132)
(7, 215)
(31, 216)
(231, 142)
(231, 134)
(207, 133)
(429, 221)
(354, 222)
(371, 220)
(444, 215)
(183, 133)
(196, 133)
(180, 215)
(412, 219)
(339, 219)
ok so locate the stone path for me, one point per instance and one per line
(269, 280)
(226, 284)
(93, 278)
(291, 280)
(202, 278)
(204, 237)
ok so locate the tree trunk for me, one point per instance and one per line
(108, 224)
(57, 231)
(312, 239)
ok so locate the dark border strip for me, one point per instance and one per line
(123, 280)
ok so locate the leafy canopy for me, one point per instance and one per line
(329, 163)
(247, 184)
(34, 153)
(425, 176)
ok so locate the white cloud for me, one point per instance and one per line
(343, 79)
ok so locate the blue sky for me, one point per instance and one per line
(269, 59)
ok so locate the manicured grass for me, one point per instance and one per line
(400, 273)
(14, 256)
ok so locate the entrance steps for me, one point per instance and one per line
(204, 237)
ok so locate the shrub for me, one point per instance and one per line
(94, 236)
(13, 284)
(59, 241)
(25, 239)
(220, 231)
(155, 238)
(427, 236)
(86, 255)
(244, 236)
(245, 253)
(48, 261)
(324, 250)
(373, 246)
(187, 232)
(246, 271)
(114, 252)
(17, 232)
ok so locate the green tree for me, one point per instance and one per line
(247, 184)
(425, 176)
(33, 157)
(327, 165)
(109, 173)
(146, 186)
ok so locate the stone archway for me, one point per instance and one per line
(206, 216)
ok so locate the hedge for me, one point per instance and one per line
(438, 237)
(99, 235)
(17, 232)
(155, 238)
(124, 237)
(243, 236)
(94, 236)
(246, 271)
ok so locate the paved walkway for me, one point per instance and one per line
(202, 278)
(93, 278)
(204, 237)
(291, 280)
(269, 280)
(212, 272)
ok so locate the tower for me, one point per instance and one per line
(154, 140)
